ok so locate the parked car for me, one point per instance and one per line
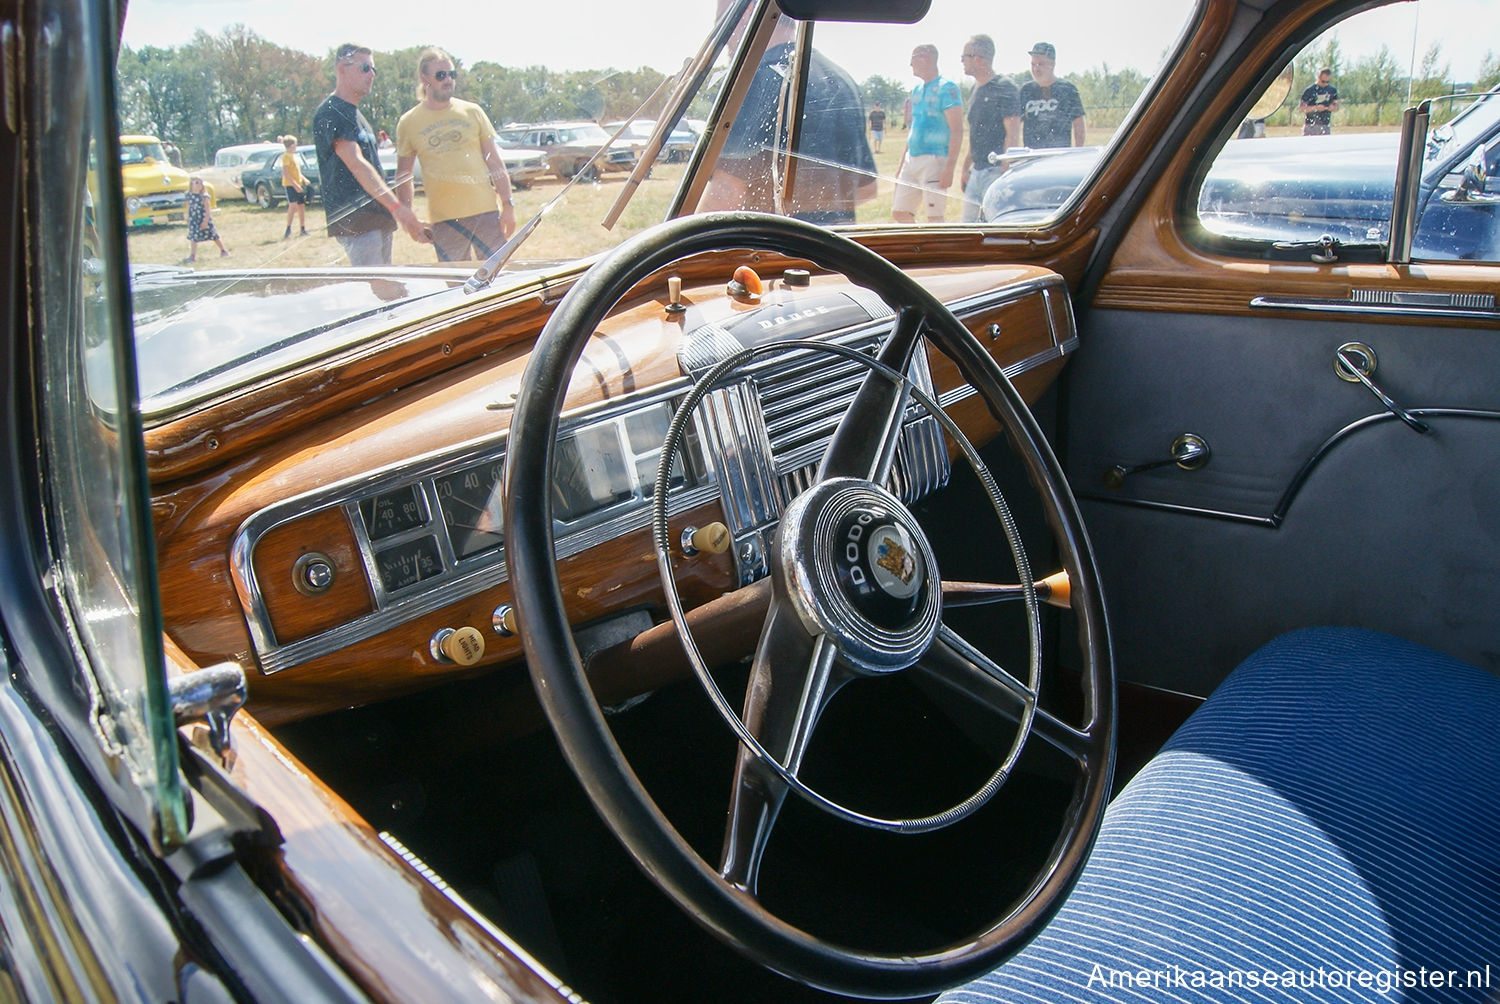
(708, 604)
(388, 168)
(1299, 188)
(261, 176)
(224, 172)
(523, 164)
(154, 189)
(572, 147)
(677, 146)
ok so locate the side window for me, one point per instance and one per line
(1322, 161)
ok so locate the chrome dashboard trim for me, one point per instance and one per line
(1456, 306)
(460, 576)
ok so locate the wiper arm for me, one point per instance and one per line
(485, 274)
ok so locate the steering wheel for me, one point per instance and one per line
(855, 591)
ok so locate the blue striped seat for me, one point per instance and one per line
(1326, 827)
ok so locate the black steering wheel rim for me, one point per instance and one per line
(558, 675)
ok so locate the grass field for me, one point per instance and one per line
(571, 228)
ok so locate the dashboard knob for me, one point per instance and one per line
(503, 620)
(313, 574)
(463, 646)
(711, 539)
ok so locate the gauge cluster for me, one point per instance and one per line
(451, 522)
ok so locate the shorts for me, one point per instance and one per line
(917, 185)
(467, 237)
(294, 197)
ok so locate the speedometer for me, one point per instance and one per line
(470, 501)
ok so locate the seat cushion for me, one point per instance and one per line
(1326, 827)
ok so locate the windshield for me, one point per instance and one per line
(840, 124)
(137, 152)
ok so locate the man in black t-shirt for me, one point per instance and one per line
(877, 126)
(994, 122)
(834, 168)
(361, 209)
(1319, 102)
(1051, 109)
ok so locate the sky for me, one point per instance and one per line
(1134, 33)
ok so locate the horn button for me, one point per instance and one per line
(856, 566)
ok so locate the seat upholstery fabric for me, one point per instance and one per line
(1326, 827)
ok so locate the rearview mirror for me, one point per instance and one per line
(874, 11)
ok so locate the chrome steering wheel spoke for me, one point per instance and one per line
(792, 678)
(864, 444)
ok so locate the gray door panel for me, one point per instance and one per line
(1317, 506)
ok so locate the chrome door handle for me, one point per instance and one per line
(1188, 451)
(1354, 362)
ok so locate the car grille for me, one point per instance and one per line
(802, 400)
(164, 200)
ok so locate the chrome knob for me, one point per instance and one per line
(313, 574)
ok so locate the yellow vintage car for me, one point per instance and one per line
(154, 189)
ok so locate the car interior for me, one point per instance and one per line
(1100, 607)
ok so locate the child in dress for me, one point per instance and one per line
(200, 221)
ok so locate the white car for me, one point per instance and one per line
(224, 173)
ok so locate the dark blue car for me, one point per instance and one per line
(1299, 188)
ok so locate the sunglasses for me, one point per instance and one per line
(441, 75)
(363, 67)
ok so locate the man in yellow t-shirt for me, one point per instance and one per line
(462, 170)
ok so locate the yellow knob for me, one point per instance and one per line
(710, 539)
(465, 646)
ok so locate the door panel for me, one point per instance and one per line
(1325, 508)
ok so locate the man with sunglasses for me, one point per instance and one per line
(362, 210)
(462, 170)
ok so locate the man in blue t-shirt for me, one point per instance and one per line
(361, 209)
(1051, 109)
(937, 135)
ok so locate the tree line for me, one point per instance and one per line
(237, 87)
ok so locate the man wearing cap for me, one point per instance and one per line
(1051, 110)
(362, 210)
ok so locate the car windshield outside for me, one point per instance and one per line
(861, 124)
(140, 151)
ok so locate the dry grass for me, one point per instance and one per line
(253, 235)
(570, 230)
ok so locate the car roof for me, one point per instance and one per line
(246, 148)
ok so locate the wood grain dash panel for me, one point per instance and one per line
(294, 615)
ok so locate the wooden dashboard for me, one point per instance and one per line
(333, 550)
